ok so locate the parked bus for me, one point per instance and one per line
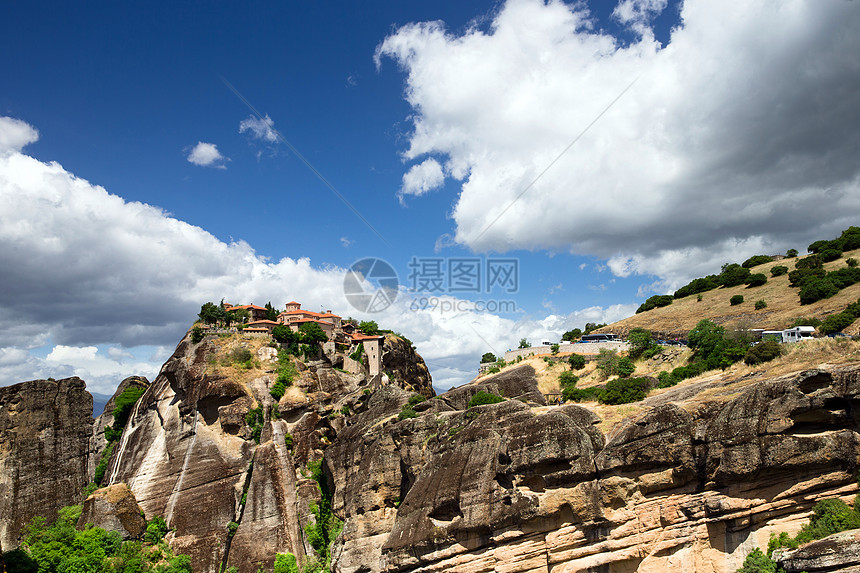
(599, 338)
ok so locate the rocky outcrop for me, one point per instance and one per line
(405, 367)
(208, 448)
(44, 443)
(838, 552)
(687, 486)
(98, 441)
(114, 508)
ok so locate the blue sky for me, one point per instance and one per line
(437, 122)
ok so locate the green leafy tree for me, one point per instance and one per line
(592, 326)
(732, 275)
(756, 260)
(791, 253)
(576, 361)
(483, 397)
(760, 304)
(312, 333)
(285, 335)
(271, 312)
(524, 343)
(755, 280)
(624, 391)
(211, 313)
(286, 563)
(571, 335)
(639, 341)
(763, 352)
(488, 357)
(554, 348)
(758, 562)
(736, 299)
(369, 327)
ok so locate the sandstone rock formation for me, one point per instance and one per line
(98, 441)
(838, 552)
(44, 443)
(114, 508)
(189, 453)
(687, 486)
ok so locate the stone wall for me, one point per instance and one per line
(577, 348)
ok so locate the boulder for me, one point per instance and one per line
(114, 508)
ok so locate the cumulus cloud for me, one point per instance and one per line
(637, 14)
(742, 131)
(15, 134)
(422, 178)
(112, 286)
(207, 155)
(260, 128)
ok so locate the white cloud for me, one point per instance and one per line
(114, 285)
(345, 242)
(422, 178)
(743, 130)
(637, 14)
(15, 135)
(207, 155)
(260, 128)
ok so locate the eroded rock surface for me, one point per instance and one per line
(114, 508)
(838, 552)
(513, 488)
(45, 429)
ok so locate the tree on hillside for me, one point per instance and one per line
(271, 313)
(524, 343)
(211, 313)
(488, 357)
(592, 326)
(284, 334)
(571, 335)
(369, 327)
(639, 340)
(312, 333)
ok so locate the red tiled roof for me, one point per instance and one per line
(263, 322)
(294, 302)
(357, 336)
(313, 320)
(254, 306)
(308, 312)
(255, 330)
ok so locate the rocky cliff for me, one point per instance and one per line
(45, 428)
(686, 485)
(208, 446)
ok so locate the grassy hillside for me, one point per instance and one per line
(783, 305)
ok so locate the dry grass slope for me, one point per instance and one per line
(783, 305)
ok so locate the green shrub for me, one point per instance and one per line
(359, 350)
(790, 253)
(197, 334)
(836, 323)
(231, 528)
(851, 262)
(816, 290)
(736, 299)
(804, 321)
(285, 563)
(625, 367)
(800, 277)
(756, 260)
(763, 352)
(760, 304)
(576, 361)
(124, 404)
(697, 286)
(732, 275)
(415, 399)
(568, 378)
(624, 391)
(483, 397)
(778, 270)
(278, 390)
(488, 357)
(407, 413)
(655, 302)
(101, 468)
(830, 255)
(254, 420)
(758, 279)
(666, 380)
(156, 529)
(574, 394)
(639, 341)
(810, 262)
(758, 562)
(554, 348)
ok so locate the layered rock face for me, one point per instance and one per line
(688, 485)
(44, 443)
(114, 508)
(188, 451)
